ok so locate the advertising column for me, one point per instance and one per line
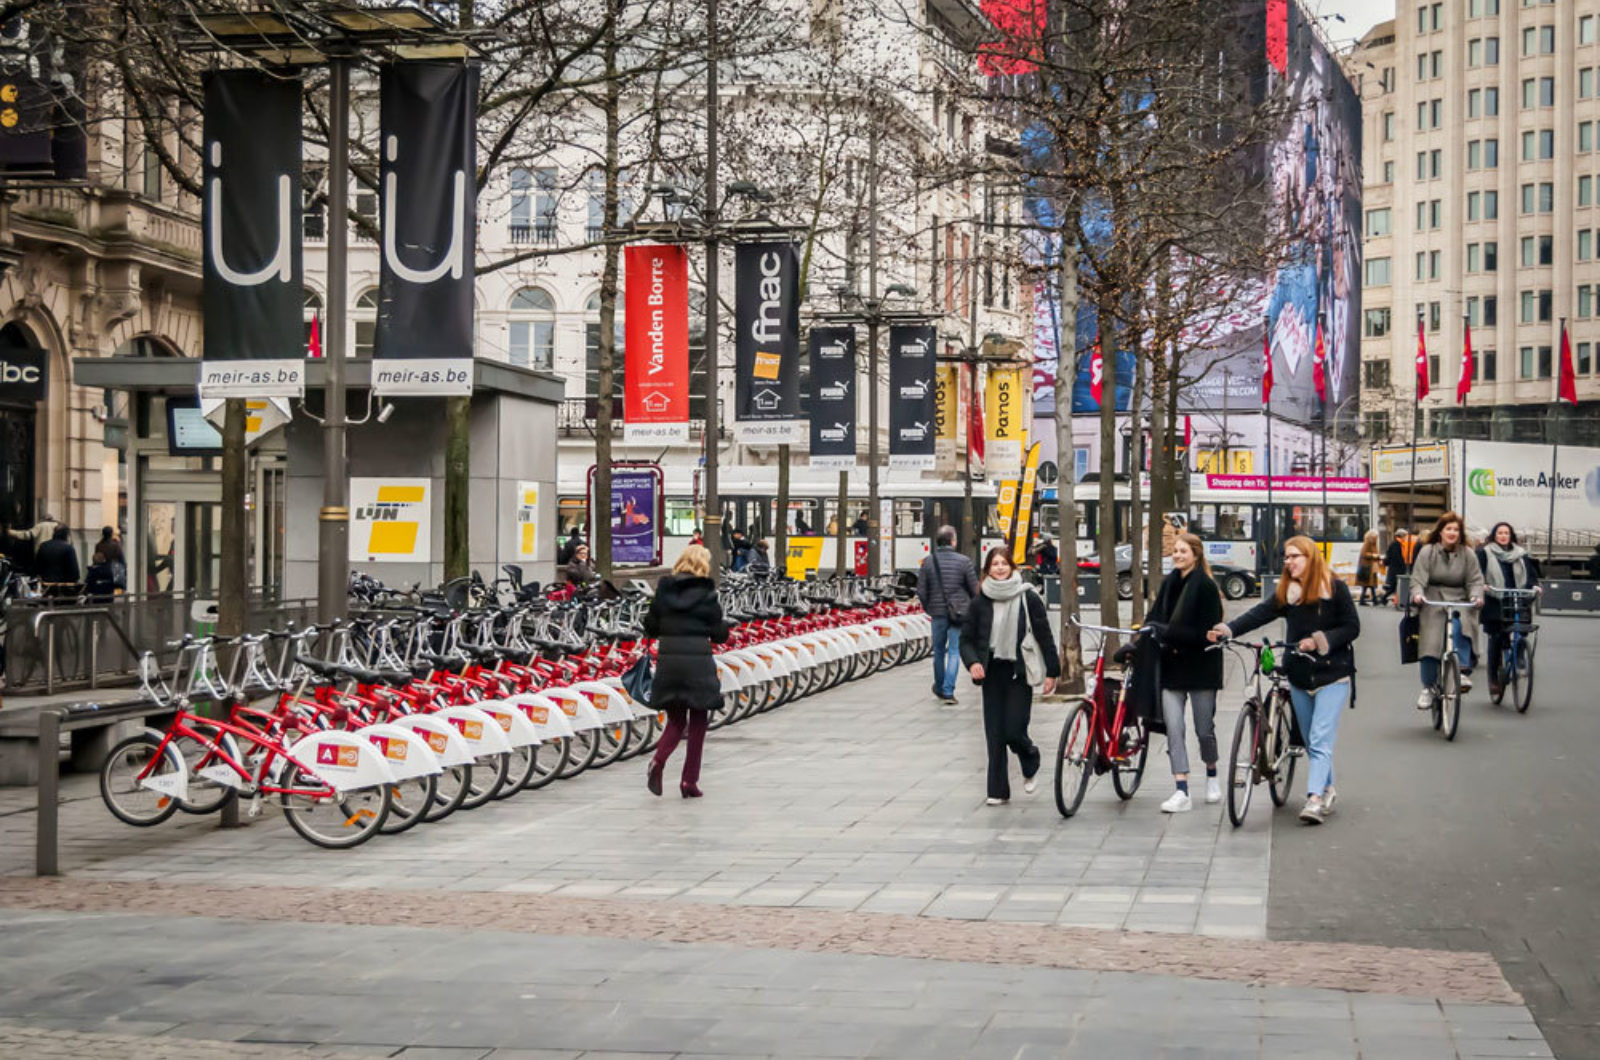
(655, 391)
(912, 397)
(767, 345)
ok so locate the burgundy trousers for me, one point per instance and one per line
(679, 719)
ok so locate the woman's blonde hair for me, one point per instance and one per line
(1198, 547)
(695, 560)
(1317, 581)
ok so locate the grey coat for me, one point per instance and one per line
(1446, 576)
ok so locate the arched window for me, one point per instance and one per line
(366, 322)
(532, 339)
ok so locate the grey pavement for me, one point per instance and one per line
(396, 991)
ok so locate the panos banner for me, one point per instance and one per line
(1005, 415)
(427, 191)
(253, 286)
(833, 397)
(655, 401)
(767, 348)
(912, 396)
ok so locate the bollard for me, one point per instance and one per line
(46, 826)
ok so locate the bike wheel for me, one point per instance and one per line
(1522, 676)
(724, 714)
(613, 744)
(450, 790)
(1449, 696)
(338, 821)
(124, 796)
(581, 754)
(1074, 759)
(551, 758)
(524, 760)
(489, 775)
(409, 801)
(1280, 751)
(1242, 762)
(1127, 773)
(204, 796)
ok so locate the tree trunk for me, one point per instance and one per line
(841, 564)
(1161, 461)
(605, 374)
(1107, 528)
(232, 575)
(1067, 507)
(457, 481)
(1135, 473)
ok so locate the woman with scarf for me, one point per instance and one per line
(1446, 570)
(1006, 611)
(1505, 565)
(1187, 606)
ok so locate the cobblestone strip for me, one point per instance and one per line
(1447, 976)
(37, 1043)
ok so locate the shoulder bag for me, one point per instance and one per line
(957, 617)
(639, 679)
(1032, 655)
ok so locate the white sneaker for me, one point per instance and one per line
(1177, 802)
(1466, 683)
(1329, 797)
(1314, 811)
(1213, 789)
(1425, 700)
(1030, 785)
(995, 802)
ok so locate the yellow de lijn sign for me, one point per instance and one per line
(1005, 423)
(1030, 474)
(390, 520)
(527, 521)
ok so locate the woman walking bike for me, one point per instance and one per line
(1446, 571)
(1321, 621)
(1511, 585)
(1187, 606)
(1007, 648)
(685, 617)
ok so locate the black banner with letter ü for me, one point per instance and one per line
(427, 192)
(833, 397)
(913, 396)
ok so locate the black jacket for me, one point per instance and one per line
(56, 561)
(951, 592)
(1184, 610)
(685, 617)
(1394, 558)
(975, 646)
(1334, 623)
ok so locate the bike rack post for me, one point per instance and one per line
(50, 659)
(46, 827)
(94, 651)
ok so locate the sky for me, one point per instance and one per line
(1359, 16)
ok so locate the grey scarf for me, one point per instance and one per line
(1513, 557)
(1006, 594)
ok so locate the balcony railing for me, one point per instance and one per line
(543, 232)
(576, 418)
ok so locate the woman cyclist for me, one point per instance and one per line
(1321, 621)
(1505, 565)
(1186, 607)
(1446, 571)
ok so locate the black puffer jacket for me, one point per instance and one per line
(1185, 609)
(686, 618)
(1333, 623)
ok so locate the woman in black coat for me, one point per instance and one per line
(1006, 611)
(1187, 605)
(685, 618)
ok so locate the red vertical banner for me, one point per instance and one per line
(1566, 378)
(1278, 35)
(655, 401)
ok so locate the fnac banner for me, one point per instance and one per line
(1005, 414)
(655, 393)
(767, 345)
(427, 167)
(252, 288)
(391, 520)
(912, 401)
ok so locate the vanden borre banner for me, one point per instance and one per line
(1004, 414)
(655, 401)
(833, 397)
(427, 191)
(912, 400)
(767, 348)
(250, 219)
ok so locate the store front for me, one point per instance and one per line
(24, 379)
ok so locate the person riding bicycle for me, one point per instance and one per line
(1322, 622)
(1505, 565)
(1446, 571)
(1187, 605)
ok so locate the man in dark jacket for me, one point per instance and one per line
(946, 584)
(56, 564)
(1049, 558)
(760, 560)
(1397, 561)
(569, 548)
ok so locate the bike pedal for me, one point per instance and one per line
(255, 807)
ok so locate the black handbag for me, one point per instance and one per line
(639, 678)
(1410, 637)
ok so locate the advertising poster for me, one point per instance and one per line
(1504, 480)
(833, 397)
(527, 521)
(1006, 417)
(655, 394)
(912, 399)
(1030, 473)
(391, 520)
(767, 345)
(947, 417)
(636, 510)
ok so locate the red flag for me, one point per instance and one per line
(1319, 365)
(1188, 431)
(314, 344)
(975, 436)
(1567, 384)
(1422, 363)
(1464, 385)
(1097, 372)
(1266, 360)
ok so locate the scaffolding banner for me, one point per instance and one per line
(655, 382)
(253, 286)
(767, 347)
(833, 397)
(427, 114)
(913, 397)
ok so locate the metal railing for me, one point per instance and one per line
(575, 418)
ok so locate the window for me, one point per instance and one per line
(1530, 92)
(1474, 257)
(1491, 205)
(1435, 163)
(1388, 172)
(1585, 359)
(1422, 114)
(1546, 306)
(1527, 307)
(1433, 369)
(1530, 40)
(1375, 425)
(313, 211)
(1422, 265)
(1422, 66)
(1491, 257)
(1433, 312)
(1585, 137)
(1435, 213)
(1422, 165)
(1585, 82)
(1375, 374)
(1491, 154)
(596, 227)
(1529, 145)
(1525, 365)
(591, 353)
(1388, 126)
(1491, 311)
(1547, 250)
(1528, 197)
(1585, 244)
(311, 308)
(521, 206)
(1475, 52)
(1491, 102)
(1377, 272)
(1474, 200)
(366, 322)
(1474, 154)
(1375, 323)
(1547, 91)
(1473, 311)
(1491, 51)
(1436, 64)
(1486, 365)
(1547, 197)
(1378, 222)
(1475, 103)
(531, 338)
(1527, 251)
(1586, 31)
(1585, 307)
(1422, 216)
(1436, 113)
(1547, 40)
(545, 205)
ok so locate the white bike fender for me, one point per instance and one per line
(342, 760)
(518, 729)
(482, 732)
(580, 713)
(447, 745)
(544, 714)
(728, 679)
(610, 704)
(637, 709)
(167, 784)
(407, 753)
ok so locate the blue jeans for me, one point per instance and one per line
(1463, 650)
(1318, 713)
(946, 655)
